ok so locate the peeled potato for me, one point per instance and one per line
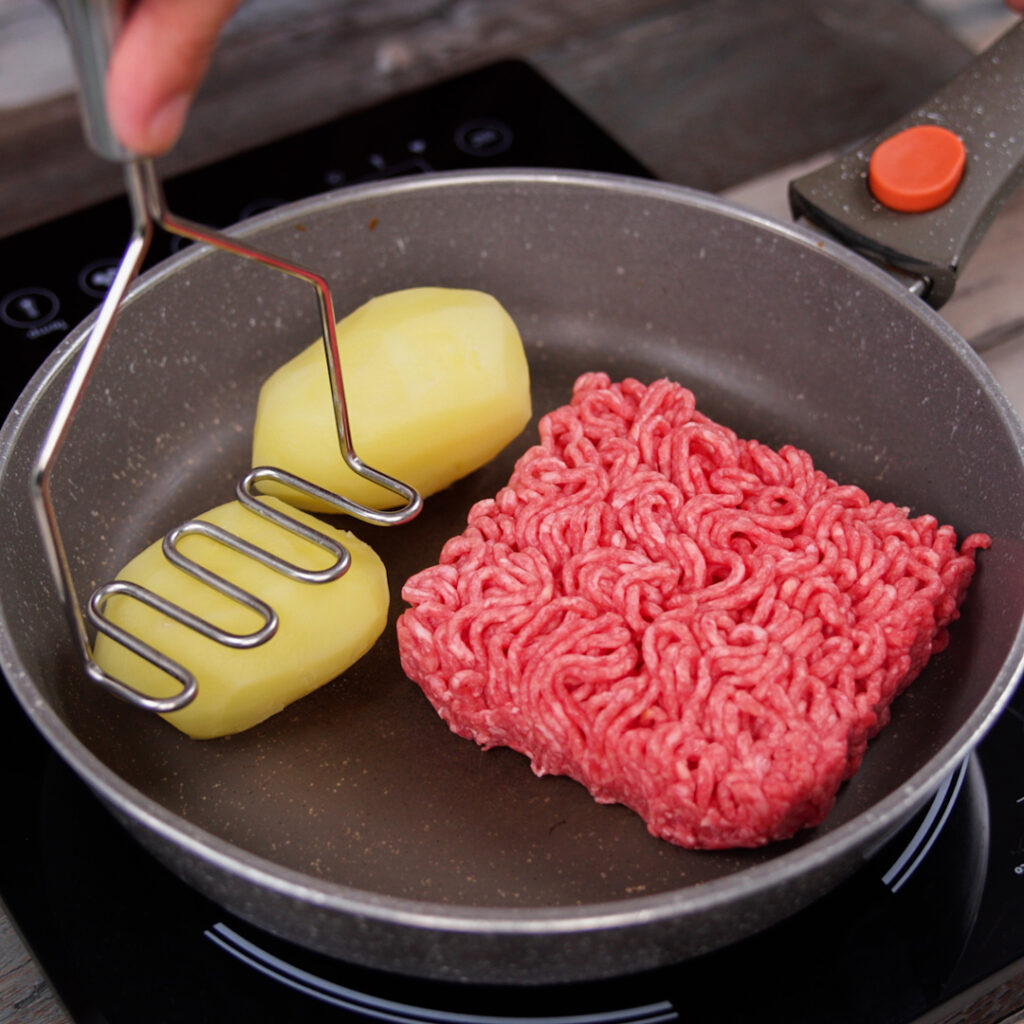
(436, 384)
(324, 627)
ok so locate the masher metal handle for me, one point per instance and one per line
(92, 27)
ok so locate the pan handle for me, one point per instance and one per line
(984, 107)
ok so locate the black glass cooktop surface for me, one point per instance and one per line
(931, 929)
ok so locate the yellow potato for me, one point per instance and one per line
(324, 627)
(436, 383)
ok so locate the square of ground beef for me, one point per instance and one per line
(700, 627)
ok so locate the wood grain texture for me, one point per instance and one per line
(710, 91)
(25, 995)
(727, 90)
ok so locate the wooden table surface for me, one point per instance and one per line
(723, 95)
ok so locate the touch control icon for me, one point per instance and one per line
(483, 137)
(96, 278)
(29, 307)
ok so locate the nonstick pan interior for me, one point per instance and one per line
(354, 822)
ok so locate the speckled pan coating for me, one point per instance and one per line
(354, 823)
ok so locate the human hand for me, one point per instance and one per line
(158, 62)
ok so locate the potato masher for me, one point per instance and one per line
(92, 27)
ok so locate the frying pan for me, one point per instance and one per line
(353, 822)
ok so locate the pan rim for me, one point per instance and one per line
(814, 853)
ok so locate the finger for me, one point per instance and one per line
(158, 62)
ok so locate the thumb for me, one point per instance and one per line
(158, 62)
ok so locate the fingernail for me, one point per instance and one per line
(167, 124)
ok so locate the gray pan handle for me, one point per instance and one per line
(92, 26)
(984, 106)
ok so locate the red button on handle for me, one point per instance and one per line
(917, 169)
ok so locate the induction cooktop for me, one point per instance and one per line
(930, 930)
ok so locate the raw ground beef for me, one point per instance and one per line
(697, 626)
